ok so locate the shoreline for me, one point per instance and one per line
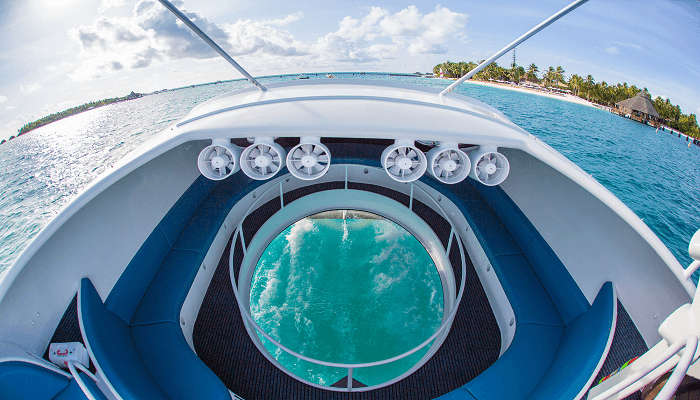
(569, 98)
(69, 112)
(564, 97)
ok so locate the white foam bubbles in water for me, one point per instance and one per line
(349, 290)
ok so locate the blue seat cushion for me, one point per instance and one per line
(488, 227)
(584, 345)
(520, 368)
(551, 272)
(169, 359)
(74, 392)
(21, 380)
(124, 298)
(529, 299)
(200, 232)
(109, 340)
(181, 212)
(167, 291)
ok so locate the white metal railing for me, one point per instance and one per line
(688, 273)
(669, 389)
(678, 350)
(350, 367)
(73, 368)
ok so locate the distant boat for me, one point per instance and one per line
(302, 77)
(330, 76)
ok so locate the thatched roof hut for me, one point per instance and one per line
(639, 105)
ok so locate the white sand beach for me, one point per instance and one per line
(563, 97)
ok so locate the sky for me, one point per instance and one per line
(55, 54)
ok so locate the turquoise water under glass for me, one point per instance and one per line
(353, 290)
(656, 175)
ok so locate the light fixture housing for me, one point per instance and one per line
(489, 166)
(263, 159)
(403, 161)
(309, 160)
(448, 164)
(219, 160)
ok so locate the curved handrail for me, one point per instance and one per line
(79, 379)
(626, 383)
(691, 346)
(669, 359)
(447, 321)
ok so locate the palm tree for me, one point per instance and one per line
(559, 73)
(588, 85)
(575, 84)
(517, 73)
(550, 77)
(531, 73)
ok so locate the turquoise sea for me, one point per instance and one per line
(353, 290)
(656, 175)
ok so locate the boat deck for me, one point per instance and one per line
(472, 345)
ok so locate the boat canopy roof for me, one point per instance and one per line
(353, 109)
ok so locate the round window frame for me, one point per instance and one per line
(346, 199)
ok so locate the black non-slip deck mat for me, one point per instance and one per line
(627, 343)
(222, 342)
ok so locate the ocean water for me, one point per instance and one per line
(352, 290)
(656, 175)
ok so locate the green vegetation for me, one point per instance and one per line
(585, 87)
(74, 110)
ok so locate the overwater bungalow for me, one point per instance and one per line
(639, 108)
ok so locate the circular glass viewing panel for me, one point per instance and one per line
(349, 287)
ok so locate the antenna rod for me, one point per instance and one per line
(514, 44)
(167, 4)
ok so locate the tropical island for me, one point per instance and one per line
(72, 111)
(612, 97)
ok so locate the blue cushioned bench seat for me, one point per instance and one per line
(23, 380)
(134, 337)
(560, 339)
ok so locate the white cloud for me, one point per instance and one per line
(29, 88)
(629, 45)
(613, 50)
(3, 99)
(265, 36)
(152, 34)
(382, 35)
(106, 4)
(616, 47)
